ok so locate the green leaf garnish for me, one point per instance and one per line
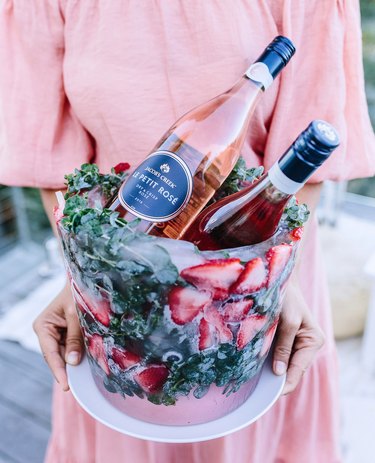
(88, 177)
(240, 177)
(295, 215)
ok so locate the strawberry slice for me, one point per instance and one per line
(123, 358)
(58, 213)
(249, 328)
(236, 311)
(100, 309)
(186, 303)
(97, 352)
(121, 167)
(277, 257)
(268, 338)
(215, 276)
(212, 316)
(206, 335)
(296, 234)
(152, 378)
(253, 278)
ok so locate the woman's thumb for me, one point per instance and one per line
(74, 341)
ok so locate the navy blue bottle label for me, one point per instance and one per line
(159, 188)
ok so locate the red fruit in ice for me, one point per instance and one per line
(268, 338)
(152, 378)
(100, 309)
(296, 234)
(186, 303)
(277, 257)
(123, 358)
(58, 213)
(97, 351)
(249, 328)
(215, 276)
(253, 278)
(121, 167)
(206, 334)
(215, 319)
(236, 311)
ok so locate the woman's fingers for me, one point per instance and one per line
(285, 336)
(299, 363)
(308, 342)
(50, 327)
(49, 343)
(298, 338)
(74, 341)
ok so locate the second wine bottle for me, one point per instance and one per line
(253, 214)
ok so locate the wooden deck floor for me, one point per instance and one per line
(25, 397)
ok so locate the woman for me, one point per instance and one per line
(102, 80)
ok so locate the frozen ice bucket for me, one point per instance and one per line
(174, 335)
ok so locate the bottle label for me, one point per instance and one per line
(159, 187)
(259, 72)
(282, 182)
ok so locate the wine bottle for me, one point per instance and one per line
(253, 214)
(190, 162)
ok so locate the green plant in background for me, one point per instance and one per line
(368, 40)
(366, 186)
(38, 220)
(368, 9)
(22, 217)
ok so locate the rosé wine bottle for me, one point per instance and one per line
(252, 215)
(190, 162)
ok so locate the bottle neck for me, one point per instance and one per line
(274, 195)
(247, 91)
(264, 188)
(282, 181)
(259, 74)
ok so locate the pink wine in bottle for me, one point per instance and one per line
(253, 214)
(190, 162)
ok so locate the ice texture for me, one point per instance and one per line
(166, 327)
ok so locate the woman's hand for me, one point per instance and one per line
(60, 338)
(298, 338)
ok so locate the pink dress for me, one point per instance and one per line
(101, 80)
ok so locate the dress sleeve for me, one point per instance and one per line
(40, 137)
(324, 80)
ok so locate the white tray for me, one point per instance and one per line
(88, 396)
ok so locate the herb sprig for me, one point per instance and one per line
(295, 215)
(88, 177)
(240, 177)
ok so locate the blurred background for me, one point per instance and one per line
(31, 274)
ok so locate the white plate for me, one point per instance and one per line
(88, 396)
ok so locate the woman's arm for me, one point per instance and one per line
(49, 202)
(298, 336)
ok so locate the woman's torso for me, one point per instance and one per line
(132, 68)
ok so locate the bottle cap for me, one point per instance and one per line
(277, 54)
(311, 148)
(317, 142)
